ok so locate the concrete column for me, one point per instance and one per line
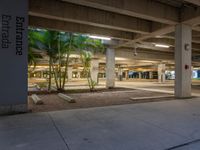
(110, 68)
(13, 56)
(78, 74)
(140, 75)
(150, 75)
(42, 74)
(192, 68)
(183, 47)
(127, 74)
(161, 73)
(120, 74)
(69, 73)
(94, 69)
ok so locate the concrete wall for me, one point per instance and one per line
(13, 57)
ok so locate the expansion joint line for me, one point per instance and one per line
(183, 145)
(59, 132)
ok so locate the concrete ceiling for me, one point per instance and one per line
(150, 21)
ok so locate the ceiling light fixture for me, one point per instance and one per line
(100, 37)
(162, 45)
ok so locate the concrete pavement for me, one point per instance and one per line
(169, 125)
(167, 87)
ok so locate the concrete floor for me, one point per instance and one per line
(167, 87)
(169, 125)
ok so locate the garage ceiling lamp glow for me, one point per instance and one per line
(162, 45)
(100, 37)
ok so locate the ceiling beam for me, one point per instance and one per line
(143, 54)
(195, 2)
(187, 20)
(78, 28)
(149, 46)
(190, 16)
(170, 42)
(197, 28)
(53, 9)
(146, 9)
(159, 32)
(172, 36)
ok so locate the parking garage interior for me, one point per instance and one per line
(100, 74)
(144, 41)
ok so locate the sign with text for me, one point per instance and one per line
(13, 51)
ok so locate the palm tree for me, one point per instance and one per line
(47, 40)
(86, 58)
(65, 45)
(70, 46)
(59, 46)
(32, 44)
(87, 48)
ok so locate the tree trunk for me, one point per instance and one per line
(56, 79)
(60, 76)
(50, 65)
(66, 70)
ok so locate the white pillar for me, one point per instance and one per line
(140, 75)
(161, 73)
(69, 73)
(94, 69)
(110, 68)
(183, 47)
(150, 75)
(120, 74)
(192, 68)
(78, 74)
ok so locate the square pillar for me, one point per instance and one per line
(140, 75)
(69, 73)
(120, 74)
(78, 74)
(183, 48)
(13, 57)
(110, 68)
(150, 75)
(161, 73)
(192, 69)
(94, 70)
(127, 74)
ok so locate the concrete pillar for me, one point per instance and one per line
(192, 68)
(69, 73)
(110, 68)
(150, 75)
(161, 73)
(127, 74)
(41, 74)
(183, 47)
(94, 69)
(140, 75)
(78, 74)
(13, 56)
(120, 74)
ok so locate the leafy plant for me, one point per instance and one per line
(59, 46)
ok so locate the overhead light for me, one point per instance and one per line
(162, 45)
(158, 36)
(120, 58)
(99, 37)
